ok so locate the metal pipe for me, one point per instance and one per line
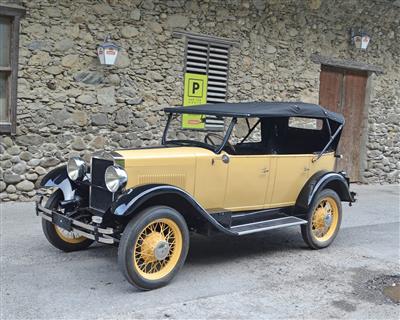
(250, 131)
(227, 135)
(164, 137)
(329, 127)
(329, 143)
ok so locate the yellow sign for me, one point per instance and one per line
(195, 92)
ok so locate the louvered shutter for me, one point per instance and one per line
(212, 59)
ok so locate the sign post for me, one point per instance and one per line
(195, 93)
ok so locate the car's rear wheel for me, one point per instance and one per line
(153, 247)
(60, 238)
(324, 219)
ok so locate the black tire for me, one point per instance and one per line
(51, 234)
(307, 229)
(127, 260)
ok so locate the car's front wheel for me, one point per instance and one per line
(324, 219)
(153, 247)
(60, 238)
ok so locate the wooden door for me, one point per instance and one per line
(344, 91)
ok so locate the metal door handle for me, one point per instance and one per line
(264, 170)
(306, 169)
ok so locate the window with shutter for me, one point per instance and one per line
(209, 56)
(9, 36)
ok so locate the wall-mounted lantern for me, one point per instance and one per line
(360, 39)
(107, 51)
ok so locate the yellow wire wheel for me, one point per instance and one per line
(157, 249)
(153, 247)
(68, 236)
(324, 220)
(60, 238)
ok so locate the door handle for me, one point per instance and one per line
(306, 169)
(224, 159)
(264, 170)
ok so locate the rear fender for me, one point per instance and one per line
(134, 200)
(323, 180)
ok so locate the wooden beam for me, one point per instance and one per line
(346, 64)
(12, 10)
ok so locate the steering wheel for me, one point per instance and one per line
(208, 139)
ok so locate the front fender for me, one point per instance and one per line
(129, 202)
(58, 177)
(321, 180)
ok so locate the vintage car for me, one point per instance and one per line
(272, 166)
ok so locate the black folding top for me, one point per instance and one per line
(261, 110)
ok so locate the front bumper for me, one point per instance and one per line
(103, 235)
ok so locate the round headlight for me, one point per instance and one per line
(115, 178)
(76, 168)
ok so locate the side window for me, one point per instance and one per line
(9, 40)
(304, 136)
(305, 123)
(242, 128)
(246, 137)
(5, 72)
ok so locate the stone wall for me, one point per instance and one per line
(68, 104)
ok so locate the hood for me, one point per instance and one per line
(131, 156)
(164, 165)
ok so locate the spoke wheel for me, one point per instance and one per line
(58, 237)
(324, 219)
(153, 247)
(69, 236)
(158, 249)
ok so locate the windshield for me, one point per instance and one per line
(209, 138)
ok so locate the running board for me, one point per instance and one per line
(254, 227)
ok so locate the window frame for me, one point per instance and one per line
(211, 44)
(318, 123)
(14, 13)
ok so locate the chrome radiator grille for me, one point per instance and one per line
(100, 198)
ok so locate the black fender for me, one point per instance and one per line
(58, 177)
(129, 203)
(322, 180)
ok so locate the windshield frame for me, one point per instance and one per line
(216, 149)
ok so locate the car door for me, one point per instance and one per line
(291, 173)
(211, 176)
(247, 182)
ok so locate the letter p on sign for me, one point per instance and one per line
(196, 87)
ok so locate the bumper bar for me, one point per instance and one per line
(103, 235)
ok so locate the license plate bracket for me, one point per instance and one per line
(62, 221)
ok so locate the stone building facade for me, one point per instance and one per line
(69, 104)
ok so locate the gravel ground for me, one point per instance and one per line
(269, 276)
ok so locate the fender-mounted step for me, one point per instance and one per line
(259, 226)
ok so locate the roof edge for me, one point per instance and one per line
(260, 109)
